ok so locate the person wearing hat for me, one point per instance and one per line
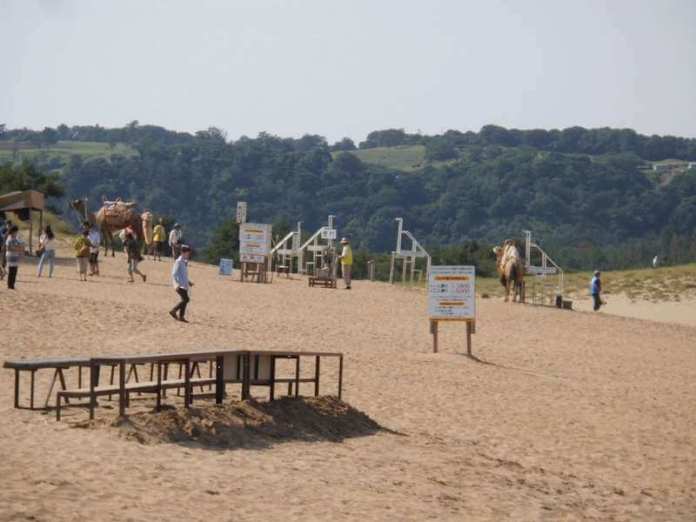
(596, 291)
(346, 259)
(175, 237)
(181, 283)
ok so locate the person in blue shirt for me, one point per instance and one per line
(181, 283)
(596, 290)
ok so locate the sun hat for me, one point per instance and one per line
(185, 248)
(596, 272)
(345, 240)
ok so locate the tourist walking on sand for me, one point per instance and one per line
(346, 258)
(94, 237)
(132, 248)
(159, 236)
(81, 246)
(47, 245)
(4, 235)
(14, 250)
(596, 291)
(175, 237)
(181, 283)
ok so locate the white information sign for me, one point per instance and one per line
(328, 233)
(540, 270)
(452, 293)
(226, 267)
(254, 242)
(241, 212)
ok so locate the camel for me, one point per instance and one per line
(510, 266)
(111, 219)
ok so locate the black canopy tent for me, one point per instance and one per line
(22, 203)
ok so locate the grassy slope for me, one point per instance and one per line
(407, 158)
(64, 149)
(669, 283)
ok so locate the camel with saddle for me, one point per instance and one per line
(510, 266)
(111, 218)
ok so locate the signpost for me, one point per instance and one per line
(241, 212)
(254, 248)
(452, 297)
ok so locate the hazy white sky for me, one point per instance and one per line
(344, 68)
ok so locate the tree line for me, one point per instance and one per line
(585, 193)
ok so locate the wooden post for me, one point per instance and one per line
(122, 388)
(297, 376)
(31, 398)
(316, 376)
(188, 391)
(219, 379)
(93, 369)
(158, 406)
(433, 330)
(340, 376)
(16, 401)
(469, 328)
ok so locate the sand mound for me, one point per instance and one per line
(248, 424)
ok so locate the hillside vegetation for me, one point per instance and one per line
(591, 196)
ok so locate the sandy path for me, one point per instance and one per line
(565, 415)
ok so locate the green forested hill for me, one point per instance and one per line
(590, 195)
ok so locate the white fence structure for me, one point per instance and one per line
(319, 250)
(409, 256)
(287, 250)
(544, 285)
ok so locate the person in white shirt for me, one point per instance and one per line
(47, 243)
(175, 237)
(181, 283)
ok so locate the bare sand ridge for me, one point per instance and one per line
(562, 415)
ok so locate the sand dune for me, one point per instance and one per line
(561, 415)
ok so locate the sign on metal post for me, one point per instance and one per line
(328, 233)
(452, 297)
(254, 242)
(241, 212)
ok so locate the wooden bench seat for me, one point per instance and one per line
(326, 282)
(140, 387)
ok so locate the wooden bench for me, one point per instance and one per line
(326, 282)
(139, 387)
(58, 364)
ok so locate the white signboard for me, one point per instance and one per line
(254, 242)
(452, 293)
(241, 212)
(226, 267)
(328, 233)
(540, 270)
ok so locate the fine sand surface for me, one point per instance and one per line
(561, 415)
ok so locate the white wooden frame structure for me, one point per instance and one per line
(548, 267)
(288, 249)
(408, 256)
(319, 244)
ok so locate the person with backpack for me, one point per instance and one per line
(132, 249)
(81, 247)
